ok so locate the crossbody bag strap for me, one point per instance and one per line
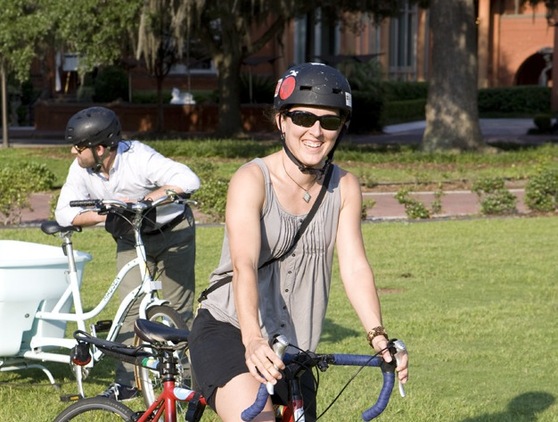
(298, 235)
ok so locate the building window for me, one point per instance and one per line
(195, 60)
(402, 44)
(299, 43)
(321, 37)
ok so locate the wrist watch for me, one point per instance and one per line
(375, 332)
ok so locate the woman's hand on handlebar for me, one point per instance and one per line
(402, 367)
(262, 362)
(380, 344)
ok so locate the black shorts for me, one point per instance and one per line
(217, 356)
(216, 352)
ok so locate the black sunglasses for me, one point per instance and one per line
(306, 119)
(80, 148)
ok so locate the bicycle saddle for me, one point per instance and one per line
(52, 227)
(156, 332)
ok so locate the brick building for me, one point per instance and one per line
(515, 44)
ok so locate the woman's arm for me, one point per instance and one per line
(356, 273)
(245, 199)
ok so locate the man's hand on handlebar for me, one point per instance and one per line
(88, 218)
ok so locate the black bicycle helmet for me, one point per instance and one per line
(94, 126)
(314, 84)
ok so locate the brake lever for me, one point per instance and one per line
(400, 348)
(279, 345)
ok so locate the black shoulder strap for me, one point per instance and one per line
(309, 216)
(301, 229)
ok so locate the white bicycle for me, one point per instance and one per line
(38, 330)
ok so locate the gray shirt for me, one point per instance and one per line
(294, 291)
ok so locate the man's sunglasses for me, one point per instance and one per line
(80, 148)
(306, 119)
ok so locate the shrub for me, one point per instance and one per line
(541, 191)
(543, 122)
(494, 198)
(212, 195)
(404, 111)
(261, 87)
(111, 84)
(405, 91)
(416, 209)
(367, 113)
(16, 184)
(366, 205)
(517, 99)
(368, 96)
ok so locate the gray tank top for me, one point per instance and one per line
(293, 291)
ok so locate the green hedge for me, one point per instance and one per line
(406, 101)
(517, 99)
(367, 112)
(402, 91)
(111, 83)
(404, 111)
(16, 185)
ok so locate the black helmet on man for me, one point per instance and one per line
(318, 85)
(313, 84)
(94, 126)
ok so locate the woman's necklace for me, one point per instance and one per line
(307, 197)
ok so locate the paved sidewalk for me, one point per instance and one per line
(455, 204)
(492, 130)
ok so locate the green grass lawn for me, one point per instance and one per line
(474, 300)
(371, 164)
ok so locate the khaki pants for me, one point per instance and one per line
(171, 255)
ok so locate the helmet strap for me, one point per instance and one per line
(99, 161)
(311, 170)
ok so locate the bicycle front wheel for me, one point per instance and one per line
(149, 381)
(98, 409)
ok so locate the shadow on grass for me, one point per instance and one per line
(31, 376)
(524, 408)
(333, 332)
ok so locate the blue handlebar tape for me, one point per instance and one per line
(383, 398)
(254, 410)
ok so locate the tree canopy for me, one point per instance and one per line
(105, 31)
(23, 24)
(101, 31)
(226, 28)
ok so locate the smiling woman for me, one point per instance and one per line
(278, 250)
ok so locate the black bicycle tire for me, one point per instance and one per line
(96, 404)
(142, 374)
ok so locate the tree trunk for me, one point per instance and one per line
(5, 137)
(554, 89)
(452, 121)
(160, 126)
(230, 121)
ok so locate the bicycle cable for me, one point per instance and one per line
(349, 381)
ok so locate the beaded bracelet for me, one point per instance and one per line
(375, 332)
